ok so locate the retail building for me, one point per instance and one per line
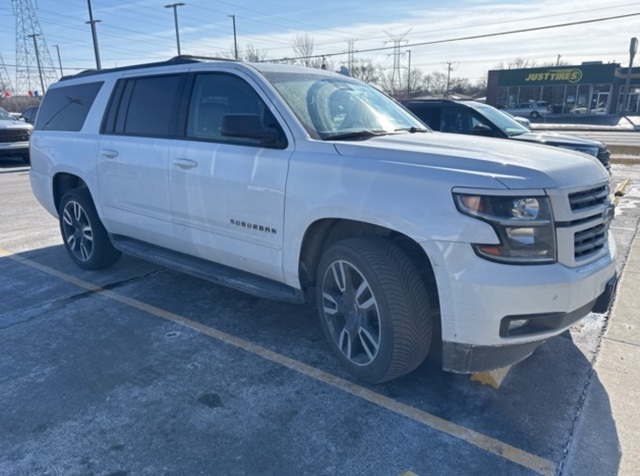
(588, 88)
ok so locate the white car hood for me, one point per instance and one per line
(14, 125)
(514, 164)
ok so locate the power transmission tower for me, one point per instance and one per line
(35, 70)
(350, 51)
(397, 56)
(5, 81)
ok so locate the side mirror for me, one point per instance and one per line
(249, 126)
(483, 130)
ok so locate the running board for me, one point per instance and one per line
(214, 272)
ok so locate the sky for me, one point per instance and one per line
(131, 32)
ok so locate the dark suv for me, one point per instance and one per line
(471, 117)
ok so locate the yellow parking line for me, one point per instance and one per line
(492, 445)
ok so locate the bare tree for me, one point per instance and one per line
(246, 53)
(303, 47)
(251, 53)
(517, 63)
(365, 70)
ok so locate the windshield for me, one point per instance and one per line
(5, 116)
(501, 120)
(335, 107)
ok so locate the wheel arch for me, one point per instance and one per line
(323, 233)
(62, 183)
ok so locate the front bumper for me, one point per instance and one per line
(469, 358)
(478, 297)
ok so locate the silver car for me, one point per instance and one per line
(529, 109)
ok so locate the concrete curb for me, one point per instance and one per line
(607, 435)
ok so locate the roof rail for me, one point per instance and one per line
(182, 59)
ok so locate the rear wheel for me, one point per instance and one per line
(535, 115)
(85, 238)
(374, 308)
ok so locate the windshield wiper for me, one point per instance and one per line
(355, 135)
(412, 129)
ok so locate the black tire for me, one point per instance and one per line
(84, 236)
(26, 158)
(535, 115)
(374, 308)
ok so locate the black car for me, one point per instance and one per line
(29, 114)
(471, 117)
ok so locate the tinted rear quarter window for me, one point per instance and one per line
(144, 106)
(66, 108)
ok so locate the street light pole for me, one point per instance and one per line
(633, 49)
(235, 41)
(35, 44)
(94, 35)
(175, 19)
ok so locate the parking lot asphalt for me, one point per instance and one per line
(142, 370)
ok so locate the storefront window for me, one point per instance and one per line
(530, 93)
(554, 96)
(570, 98)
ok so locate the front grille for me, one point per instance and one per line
(590, 240)
(604, 155)
(582, 217)
(588, 198)
(14, 136)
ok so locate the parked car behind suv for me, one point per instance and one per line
(529, 109)
(471, 117)
(14, 136)
(302, 184)
(29, 114)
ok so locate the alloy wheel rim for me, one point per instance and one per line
(78, 233)
(351, 313)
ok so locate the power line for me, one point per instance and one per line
(473, 37)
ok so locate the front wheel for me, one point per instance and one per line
(535, 115)
(374, 308)
(85, 238)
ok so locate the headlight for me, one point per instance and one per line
(585, 150)
(524, 226)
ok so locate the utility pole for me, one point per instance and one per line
(446, 91)
(35, 45)
(175, 18)
(59, 60)
(235, 40)
(94, 35)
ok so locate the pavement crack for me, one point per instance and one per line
(23, 316)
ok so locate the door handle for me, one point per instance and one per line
(109, 153)
(185, 163)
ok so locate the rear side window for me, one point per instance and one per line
(66, 108)
(144, 106)
(429, 115)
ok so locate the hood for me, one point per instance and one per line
(15, 125)
(471, 161)
(550, 138)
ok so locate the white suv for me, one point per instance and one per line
(289, 182)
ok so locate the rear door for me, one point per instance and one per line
(134, 154)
